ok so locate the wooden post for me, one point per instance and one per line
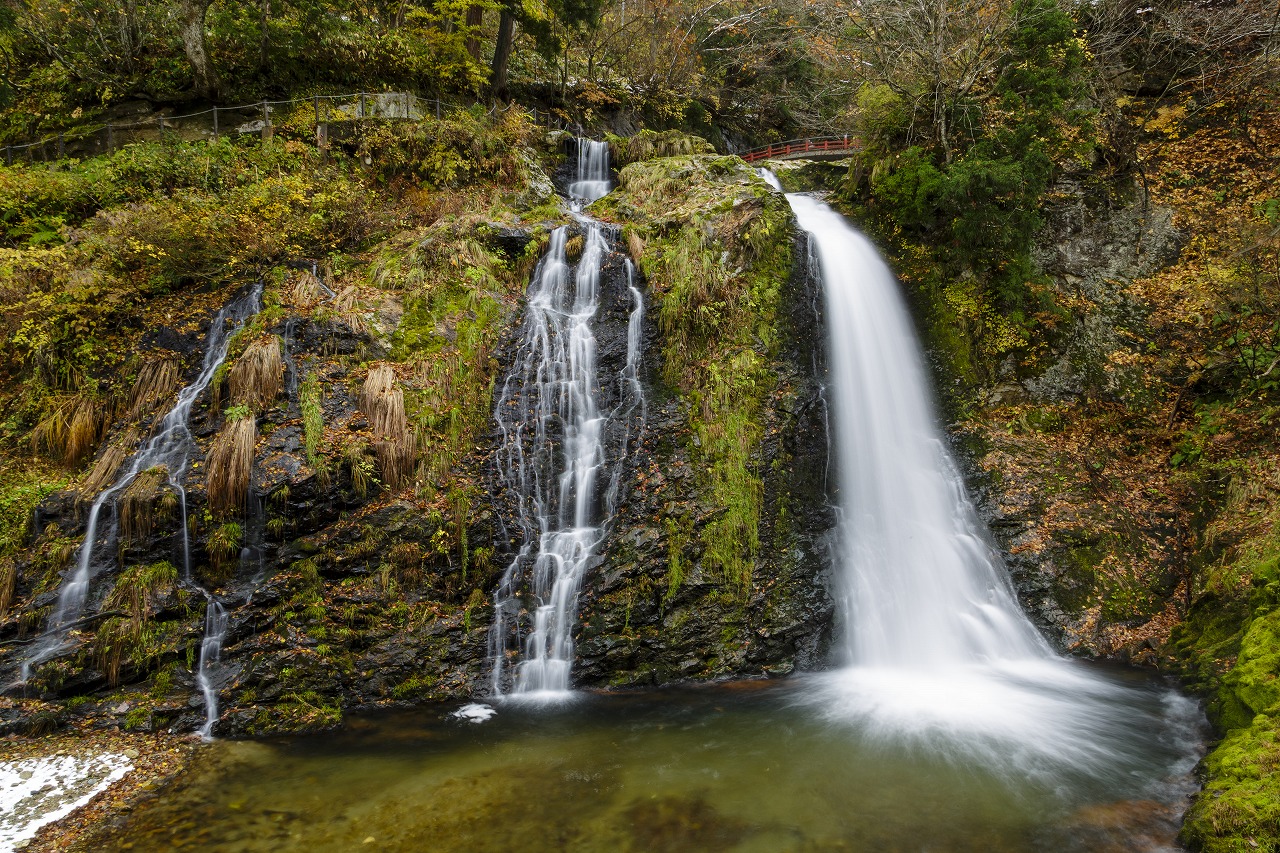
(363, 111)
(8, 155)
(266, 122)
(437, 109)
(322, 132)
(215, 121)
(62, 147)
(111, 140)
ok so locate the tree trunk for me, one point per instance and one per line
(475, 18)
(191, 14)
(502, 53)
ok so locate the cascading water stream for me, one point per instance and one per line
(215, 631)
(169, 447)
(554, 451)
(939, 653)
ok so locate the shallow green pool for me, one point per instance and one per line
(755, 766)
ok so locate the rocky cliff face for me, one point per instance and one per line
(360, 570)
(659, 609)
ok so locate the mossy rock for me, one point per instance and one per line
(1239, 808)
(650, 144)
(1254, 679)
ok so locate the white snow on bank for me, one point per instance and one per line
(38, 791)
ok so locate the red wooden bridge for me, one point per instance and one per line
(813, 148)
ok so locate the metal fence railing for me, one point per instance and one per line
(263, 118)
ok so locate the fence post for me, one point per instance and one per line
(8, 155)
(161, 128)
(215, 121)
(363, 112)
(111, 139)
(62, 147)
(437, 109)
(322, 133)
(266, 122)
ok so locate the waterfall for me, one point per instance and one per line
(555, 451)
(215, 631)
(593, 172)
(169, 447)
(923, 588)
(938, 651)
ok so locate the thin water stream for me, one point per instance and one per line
(169, 448)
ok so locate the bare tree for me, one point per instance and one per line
(933, 54)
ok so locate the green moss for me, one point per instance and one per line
(458, 294)
(715, 245)
(650, 144)
(1254, 679)
(21, 489)
(415, 687)
(1239, 808)
(679, 530)
(303, 711)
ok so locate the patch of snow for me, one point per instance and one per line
(38, 791)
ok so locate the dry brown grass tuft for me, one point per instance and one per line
(407, 560)
(8, 581)
(346, 304)
(72, 429)
(305, 291)
(108, 464)
(258, 375)
(157, 381)
(395, 445)
(396, 460)
(136, 506)
(229, 465)
(383, 403)
(346, 300)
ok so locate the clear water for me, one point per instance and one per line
(738, 767)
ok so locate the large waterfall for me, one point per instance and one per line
(169, 447)
(555, 454)
(937, 647)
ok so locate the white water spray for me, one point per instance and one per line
(938, 650)
(554, 451)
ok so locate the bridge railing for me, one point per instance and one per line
(813, 144)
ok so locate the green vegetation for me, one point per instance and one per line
(715, 247)
(309, 400)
